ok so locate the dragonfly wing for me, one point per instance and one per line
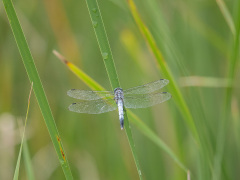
(94, 107)
(145, 100)
(89, 95)
(147, 88)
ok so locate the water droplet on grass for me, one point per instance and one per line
(139, 172)
(95, 24)
(94, 10)
(105, 55)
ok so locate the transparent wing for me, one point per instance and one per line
(147, 88)
(94, 107)
(145, 100)
(89, 95)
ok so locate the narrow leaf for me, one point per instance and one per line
(162, 65)
(224, 10)
(16, 173)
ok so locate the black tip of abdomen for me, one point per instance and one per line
(122, 123)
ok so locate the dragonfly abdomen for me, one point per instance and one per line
(119, 100)
(120, 111)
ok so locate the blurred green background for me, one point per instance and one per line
(196, 42)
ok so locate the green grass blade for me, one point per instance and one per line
(27, 162)
(26, 154)
(80, 74)
(173, 87)
(224, 123)
(224, 10)
(102, 39)
(16, 173)
(153, 137)
(105, 49)
(132, 117)
(38, 89)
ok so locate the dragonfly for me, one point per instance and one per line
(97, 102)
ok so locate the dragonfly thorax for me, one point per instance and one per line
(118, 93)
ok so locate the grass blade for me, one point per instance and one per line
(224, 10)
(210, 82)
(79, 73)
(173, 87)
(27, 162)
(154, 138)
(103, 43)
(16, 173)
(38, 89)
(105, 49)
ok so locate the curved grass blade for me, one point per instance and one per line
(38, 89)
(79, 73)
(26, 154)
(133, 118)
(224, 10)
(16, 173)
(173, 87)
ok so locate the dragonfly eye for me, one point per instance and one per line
(117, 89)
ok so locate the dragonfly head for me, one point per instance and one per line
(118, 89)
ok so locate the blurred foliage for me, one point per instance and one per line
(195, 40)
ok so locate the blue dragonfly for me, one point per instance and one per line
(97, 102)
